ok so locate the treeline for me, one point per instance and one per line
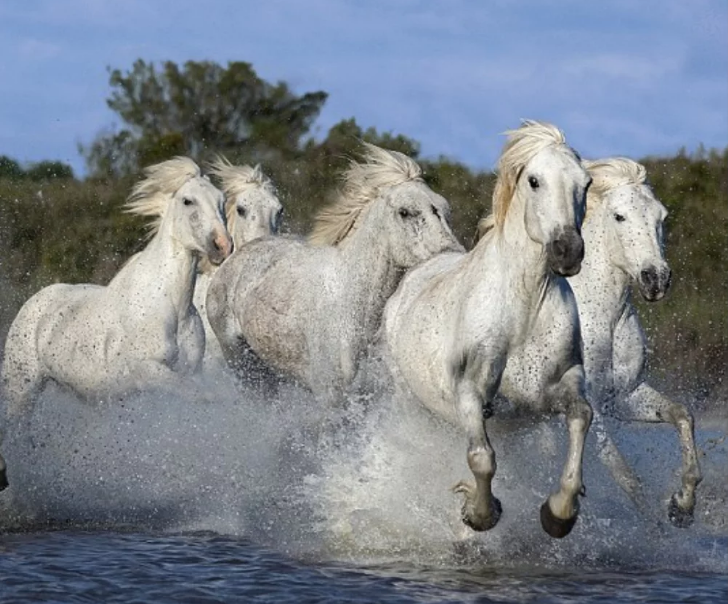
(54, 227)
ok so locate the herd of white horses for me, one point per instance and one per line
(538, 312)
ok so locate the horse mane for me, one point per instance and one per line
(150, 197)
(363, 182)
(523, 143)
(235, 180)
(608, 174)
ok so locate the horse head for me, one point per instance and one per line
(185, 206)
(546, 176)
(199, 219)
(387, 193)
(252, 206)
(632, 219)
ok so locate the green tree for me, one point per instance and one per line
(197, 107)
(9, 168)
(47, 170)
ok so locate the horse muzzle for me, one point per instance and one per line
(653, 283)
(565, 253)
(219, 248)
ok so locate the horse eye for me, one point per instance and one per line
(619, 218)
(435, 212)
(404, 213)
(187, 201)
(241, 211)
(533, 181)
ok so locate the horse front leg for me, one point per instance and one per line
(481, 509)
(560, 511)
(645, 404)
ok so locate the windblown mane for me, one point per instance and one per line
(150, 197)
(363, 183)
(522, 145)
(608, 174)
(235, 180)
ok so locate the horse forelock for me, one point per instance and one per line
(522, 145)
(151, 196)
(236, 180)
(608, 174)
(363, 182)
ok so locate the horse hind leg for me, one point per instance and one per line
(612, 458)
(561, 510)
(645, 404)
(481, 509)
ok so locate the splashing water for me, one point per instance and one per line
(368, 483)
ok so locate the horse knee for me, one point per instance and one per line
(481, 461)
(679, 416)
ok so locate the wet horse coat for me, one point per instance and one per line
(456, 320)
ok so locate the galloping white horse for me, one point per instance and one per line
(309, 310)
(624, 245)
(253, 211)
(139, 330)
(623, 238)
(455, 321)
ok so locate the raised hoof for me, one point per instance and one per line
(679, 517)
(480, 524)
(556, 527)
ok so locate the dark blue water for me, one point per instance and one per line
(76, 566)
(155, 500)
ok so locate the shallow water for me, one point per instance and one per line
(75, 566)
(158, 500)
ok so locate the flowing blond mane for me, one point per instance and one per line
(608, 174)
(523, 143)
(235, 180)
(363, 182)
(151, 196)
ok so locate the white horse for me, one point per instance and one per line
(308, 310)
(141, 329)
(253, 211)
(624, 245)
(455, 321)
(622, 233)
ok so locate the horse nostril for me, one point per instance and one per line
(559, 248)
(650, 277)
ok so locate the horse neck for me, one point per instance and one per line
(167, 270)
(601, 288)
(522, 259)
(371, 274)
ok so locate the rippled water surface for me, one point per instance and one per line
(74, 566)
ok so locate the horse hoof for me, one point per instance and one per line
(556, 527)
(679, 517)
(479, 524)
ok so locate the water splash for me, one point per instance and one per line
(368, 483)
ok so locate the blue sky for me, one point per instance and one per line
(618, 76)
